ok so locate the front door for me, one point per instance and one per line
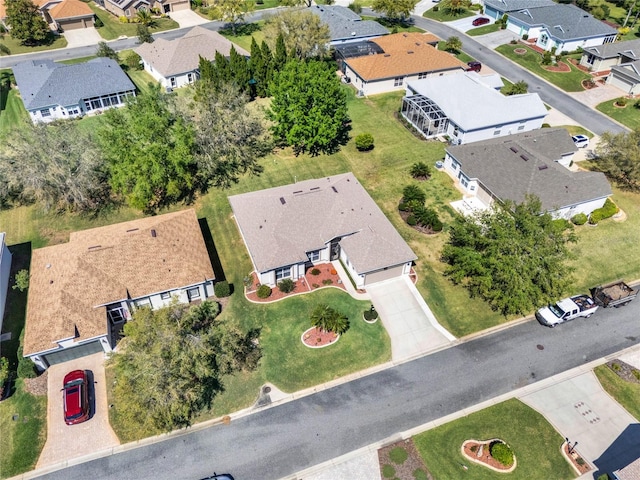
(167, 8)
(335, 249)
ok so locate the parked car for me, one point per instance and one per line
(474, 66)
(581, 141)
(222, 476)
(480, 21)
(566, 309)
(75, 397)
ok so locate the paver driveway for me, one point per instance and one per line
(65, 442)
(409, 322)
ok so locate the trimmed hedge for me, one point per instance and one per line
(286, 286)
(502, 453)
(222, 289)
(579, 219)
(264, 291)
(608, 210)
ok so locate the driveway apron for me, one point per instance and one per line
(583, 412)
(412, 327)
(187, 18)
(65, 442)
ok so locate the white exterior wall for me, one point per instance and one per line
(388, 85)
(5, 270)
(181, 79)
(357, 278)
(586, 208)
(490, 132)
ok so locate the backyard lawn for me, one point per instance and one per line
(12, 111)
(629, 115)
(532, 61)
(16, 47)
(440, 16)
(534, 441)
(625, 393)
(113, 28)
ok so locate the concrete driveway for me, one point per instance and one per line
(65, 442)
(187, 18)
(582, 411)
(466, 23)
(412, 327)
(495, 39)
(82, 37)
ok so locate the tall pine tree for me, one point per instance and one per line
(257, 68)
(239, 69)
(267, 58)
(280, 57)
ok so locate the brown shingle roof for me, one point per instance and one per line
(70, 9)
(171, 57)
(404, 54)
(107, 264)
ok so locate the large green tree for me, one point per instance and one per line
(59, 165)
(512, 256)
(304, 34)
(25, 22)
(618, 156)
(309, 108)
(455, 7)
(230, 138)
(171, 363)
(234, 11)
(149, 149)
(394, 9)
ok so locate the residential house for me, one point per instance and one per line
(82, 292)
(626, 76)
(562, 27)
(5, 271)
(291, 228)
(175, 63)
(623, 61)
(629, 472)
(477, 111)
(129, 8)
(530, 163)
(346, 26)
(60, 14)
(496, 9)
(53, 91)
(400, 58)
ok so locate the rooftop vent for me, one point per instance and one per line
(132, 230)
(334, 189)
(94, 247)
(544, 166)
(410, 52)
(524, 157)
(154, 234)
(513, 149)
(314, 188)
(282, 200)
(297, 191)
(387, 55)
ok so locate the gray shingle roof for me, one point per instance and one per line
(630, 70)
(505, 173)
(630, 48)
(513, 5)
(476, 105)
(172, 57)
(564, 22)
(345, 24)
(280, 225)
(45, 83)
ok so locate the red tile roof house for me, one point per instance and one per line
(404, 57)
(291, 228)
(83, 291)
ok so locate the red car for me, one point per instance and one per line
(75, 397)
(480, 21)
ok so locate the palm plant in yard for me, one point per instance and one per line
(144, 17)
(327, 319)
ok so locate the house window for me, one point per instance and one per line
(173, 82)
(143, 302)
(282, 273)
(190, 77)
(314, 256)
(422, 75)
(45, 112)
(193, 293)
(96, 103)
(590, 59)
(165, 295)
(520, 127)
(543, 39)
(116, 315)
(127, 12)
(398, 81)
(496, 132)
(464, 181)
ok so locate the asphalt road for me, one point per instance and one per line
(279, 441)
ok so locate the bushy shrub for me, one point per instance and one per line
(387, 470)
(546, 125)
(412, 221)
(637, 104)
(604, 476)
(525, 36)
(248, 281)
(609, 209)
(403, 207)
(621, 102)
(355, 7)
(398, 455)
(502, 453)
(370, 315)
(286, 285)
(222, 289)
(26, 368)
(579, 219)
(98, 23)
(562, 224)
(327, 281)
(132, 60)
(264, 291)
(364, 142)
(413, 193)
(428, 217)
(123, 19)
(4, 370)
(420, 170)
(315, 271)
(546, 58)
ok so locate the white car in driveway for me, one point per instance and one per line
(581, 141)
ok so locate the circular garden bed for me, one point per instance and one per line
(494, 454)
(316, 338)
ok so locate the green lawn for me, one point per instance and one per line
(12, 111)
(532, 61)
(22, 439)
(243, 36)
(440, 16)
(16, 47)
(535, 444)
(463, 57)
(492, 27)
(113, 28)
(74, 61)
(629, 115)
(625, 393)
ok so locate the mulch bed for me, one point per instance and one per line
(419, 228)
(36, 386)
(318, 338)
(405, 470)
(624, 370)
(560, 67)
(581, 466)
(520, 51)
(471, 450)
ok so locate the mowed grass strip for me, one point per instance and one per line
(113, 28)
(534, 441)
(16, 47)
(629, 115)
(12, 111)
(625, 393)
(532, 61)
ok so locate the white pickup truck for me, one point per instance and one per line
(566, 309)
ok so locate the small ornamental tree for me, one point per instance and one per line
(327, 319)
(21, 280)
(222, 289)
(105, 50)
(420, 170)
(364, 142)
(286, 285)
(264, 291)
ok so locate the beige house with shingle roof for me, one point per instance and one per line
(404, 57)
(83, 291)
(290, 228)
(175, 63)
